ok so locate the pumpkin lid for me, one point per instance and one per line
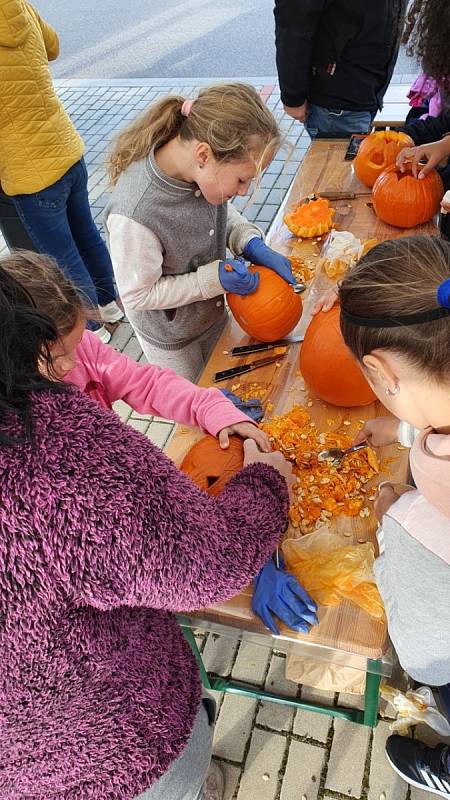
(311, 217)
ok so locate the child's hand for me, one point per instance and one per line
(274, 459)
(258, 252)
(327, 300)
(297, 112)
(432, 153)
(445, 202)
(386, 497)
(248, 431)
(235, 277)
(379, 432)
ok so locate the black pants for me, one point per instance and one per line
(11, 226)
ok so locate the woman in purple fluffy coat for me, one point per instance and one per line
(101, 540)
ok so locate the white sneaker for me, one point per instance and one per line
(111, 312)
(103, 334)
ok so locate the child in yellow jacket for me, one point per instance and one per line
(41, 161)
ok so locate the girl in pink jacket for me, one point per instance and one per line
(99, 371)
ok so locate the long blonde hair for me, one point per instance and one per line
(230, 117)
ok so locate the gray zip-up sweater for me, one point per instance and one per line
(187, 234)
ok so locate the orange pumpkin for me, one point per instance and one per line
(311, 217)
(271, 312)
(327, 365)
(210, 467)
(404, 201)
(376, 152)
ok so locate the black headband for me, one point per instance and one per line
(395, 322)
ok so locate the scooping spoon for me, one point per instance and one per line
(336, 454)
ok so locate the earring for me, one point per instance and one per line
(200, 166)
(392, 392)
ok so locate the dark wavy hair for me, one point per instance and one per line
(25, 337)
(426, 34)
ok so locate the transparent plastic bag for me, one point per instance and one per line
(413, 707)
(331, 571)
(342, 250)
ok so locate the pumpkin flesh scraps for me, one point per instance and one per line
(253, 391)
(311, 217)
(321, 491)
(341, 251)
(301, 271)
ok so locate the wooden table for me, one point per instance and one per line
(345, 634)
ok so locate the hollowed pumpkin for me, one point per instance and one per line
(327, 365)
(271, 312)
(311, 217)
(210, 467)
(404, 201)
(377, 152)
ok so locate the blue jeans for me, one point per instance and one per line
(335, 123)
(59, 222)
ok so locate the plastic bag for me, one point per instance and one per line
(325, 675)
(413, 707)
(331, 571)
(341, 250)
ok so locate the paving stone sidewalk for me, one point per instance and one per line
(268, 752)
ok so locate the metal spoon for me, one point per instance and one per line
(336, 454)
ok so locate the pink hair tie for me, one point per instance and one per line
(186, 108)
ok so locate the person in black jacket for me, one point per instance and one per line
(335, 59)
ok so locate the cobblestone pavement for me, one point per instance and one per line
(268, 752)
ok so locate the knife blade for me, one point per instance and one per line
(261, 347)
(343, 195)
(231, 373)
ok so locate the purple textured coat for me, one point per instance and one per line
(101, 538)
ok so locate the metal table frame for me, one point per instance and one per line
(374, 670)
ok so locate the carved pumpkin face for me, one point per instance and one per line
(327, 365)
(377, 152)
(271, 312)
(404, 201)
(311, 217)
(210, 467)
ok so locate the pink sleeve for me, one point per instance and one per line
(152, 390)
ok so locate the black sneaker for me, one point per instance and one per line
(419, 765)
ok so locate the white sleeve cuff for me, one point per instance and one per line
(240, 231)
(208, 280)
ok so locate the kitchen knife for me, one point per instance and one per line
(260, 347)
(234, 371)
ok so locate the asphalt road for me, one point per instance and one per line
(162, 38)
(165, 38)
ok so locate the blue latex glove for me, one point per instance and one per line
(252, 408)
(239, 280)
(278, 592)
(257, 252)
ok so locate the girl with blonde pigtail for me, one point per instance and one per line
(169, 221)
